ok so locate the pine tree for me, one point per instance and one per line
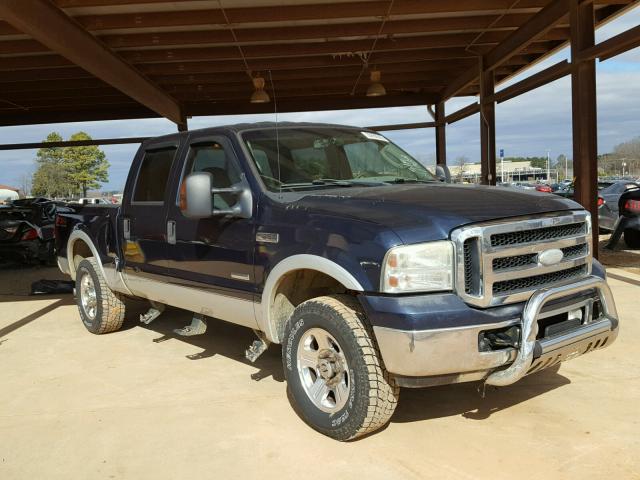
(51, 179)
(67, 171)
(86, 166)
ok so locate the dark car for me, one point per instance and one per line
(608, 199)
(27, 230)
(628, 221)
(333, 242)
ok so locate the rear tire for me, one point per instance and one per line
(335, 376)
(101, 310)
(632, 238)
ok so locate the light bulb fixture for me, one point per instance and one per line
(259, 95)
(376, 89)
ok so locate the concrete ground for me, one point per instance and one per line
(142, 404)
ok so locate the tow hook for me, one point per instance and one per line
(499, 339)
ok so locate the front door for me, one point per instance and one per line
(214, 253)
(144, 218)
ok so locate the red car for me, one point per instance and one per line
(543, 188)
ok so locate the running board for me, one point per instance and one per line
(154, 312)
(198, 326)
(257, 348)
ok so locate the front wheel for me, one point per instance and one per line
(335, 376)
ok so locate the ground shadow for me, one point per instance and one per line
(466, 399)
(61, 301)
(221, 338)
(231, 341)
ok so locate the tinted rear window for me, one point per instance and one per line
(153, 176)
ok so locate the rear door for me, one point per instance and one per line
(144, 219)
(214, 253)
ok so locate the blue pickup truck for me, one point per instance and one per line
(371, 272)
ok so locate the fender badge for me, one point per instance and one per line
(266, 237)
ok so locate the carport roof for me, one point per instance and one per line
(79, 60)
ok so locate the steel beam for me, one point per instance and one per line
(584, 112)
(319, 11)
(464, 112)
(614, 46)
(531, 30)
(534, 81)
(401, 126)
(52, 27)
(73, 143)
(487, 128)
(441, 138)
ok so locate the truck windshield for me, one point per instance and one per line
(301, 158)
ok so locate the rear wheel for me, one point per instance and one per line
(335, 376)
(632, 238)
(101, 310)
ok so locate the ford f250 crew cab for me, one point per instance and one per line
(372, 273)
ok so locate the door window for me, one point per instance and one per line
(153, 176)
(212, 158)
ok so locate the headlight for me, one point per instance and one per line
(425, 267)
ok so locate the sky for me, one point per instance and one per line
(529, 125)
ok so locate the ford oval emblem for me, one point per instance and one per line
(550, 257)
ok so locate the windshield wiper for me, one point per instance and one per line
(331, 181)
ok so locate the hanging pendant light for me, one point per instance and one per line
(259, 95)
(376, 89)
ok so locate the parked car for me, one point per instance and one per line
(541, 187)
(524, 186)
(335, 243)
(608, 200)
(27, 228)
(93, 201)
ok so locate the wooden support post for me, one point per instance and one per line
(487, 128)
(441, 138)
(584, 118)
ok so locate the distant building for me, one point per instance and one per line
(513, 172)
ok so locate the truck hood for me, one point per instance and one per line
(424, 212)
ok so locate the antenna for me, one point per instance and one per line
(275, 111)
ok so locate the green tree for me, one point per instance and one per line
(50, 178)
(68, 171)
(86, 166)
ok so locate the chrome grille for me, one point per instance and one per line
(516, 261)
(537, 235)
(468, 266)
(537, 281)
(498, 262)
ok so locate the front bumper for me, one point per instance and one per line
(452, 354)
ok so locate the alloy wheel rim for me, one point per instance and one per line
(88, 298)
(323, 370)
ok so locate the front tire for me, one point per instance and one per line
(335, 376)
(101, 310)
(632, 238)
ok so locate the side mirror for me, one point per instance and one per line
(443, 174)
(196, 197)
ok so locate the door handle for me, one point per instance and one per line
(171, 232)
(126, 228)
